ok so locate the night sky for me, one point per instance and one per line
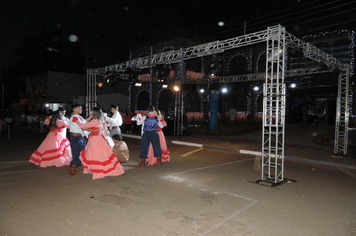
(111, 27)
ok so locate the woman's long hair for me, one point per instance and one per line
(159, 114)
(96, 113)
(53, 122)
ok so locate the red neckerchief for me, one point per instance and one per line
(151, 114)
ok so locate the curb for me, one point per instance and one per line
(248, 152)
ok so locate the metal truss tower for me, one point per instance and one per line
(91, 97)
(274, 102)
(342, 113)
(274, 107)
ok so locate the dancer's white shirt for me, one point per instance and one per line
(74, 127)
(115, 120)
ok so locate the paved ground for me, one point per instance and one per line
(299, 143)
(200, 192)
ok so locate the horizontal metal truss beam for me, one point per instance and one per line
(175, 56)
(257, 76)
(314, 53)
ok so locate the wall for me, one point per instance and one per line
(63, 86)
(105, 101)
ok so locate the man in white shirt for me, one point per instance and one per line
(115, 121)
(29, 121)
(77, 140)
(62, 112)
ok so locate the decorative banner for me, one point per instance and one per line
(214, 109)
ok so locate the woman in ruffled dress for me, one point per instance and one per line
(55, 149)
(151, 160)
(97, 158)
(105, 131)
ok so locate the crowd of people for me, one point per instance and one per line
(24, 121)
(95, 143)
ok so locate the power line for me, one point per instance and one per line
(323, 17)
(220, 33)
(241, 23)
(309, 10)
(326, 27)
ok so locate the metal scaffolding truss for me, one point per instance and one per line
(175, 56)
(342, 113)
(313, 53)
(257, 76)
(274, 108)
(91, 97)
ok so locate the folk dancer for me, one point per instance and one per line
(54, 150)
(151, 160)
(77, 139)
(98, 158)
(115, 121)
(150, 135)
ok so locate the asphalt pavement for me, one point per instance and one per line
(202, 191)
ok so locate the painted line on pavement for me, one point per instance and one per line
(218, 225)
(187, 144)
(347, 172)
(176, 179)
(188, 153)
(249, 152)
(320, 162)
(14, 162)
(206, 167)
(18, 172)
(131, 136)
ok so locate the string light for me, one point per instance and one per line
(170, 104)
(191, 75)
(258, 59)
(130, 84)
(181, 70)
(249, 68)
(151, 78)
(247, 59)
(351, 46)
(137, 95)
(248, 105)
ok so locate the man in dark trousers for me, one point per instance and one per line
(150, 135)
(77, 140)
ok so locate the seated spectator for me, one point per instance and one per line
(120, 149)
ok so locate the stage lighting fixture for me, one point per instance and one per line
(296, 52)
(214, 66)
(256, 88)
(293, 85)
(138, 84)
(224, 90)
(176, 88)
(164, 72)
(324, 66)
(276, 54)
(111, 78)
(100, 85)
(201, 91)
(132, 73)
(337, 70)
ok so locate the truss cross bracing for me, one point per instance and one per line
(257, 76)
(91, 97)
(278, 39)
